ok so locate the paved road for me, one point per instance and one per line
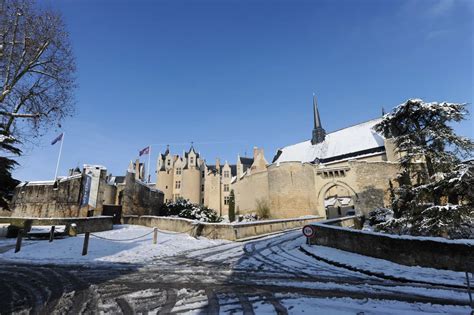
(269, 275)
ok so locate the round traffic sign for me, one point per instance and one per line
(308, 231)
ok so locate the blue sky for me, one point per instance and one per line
(230, 75)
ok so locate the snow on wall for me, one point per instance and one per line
(348, 140)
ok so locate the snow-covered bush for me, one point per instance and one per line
(379, 215)
(248, 217)
(185, 209)
(200, 213)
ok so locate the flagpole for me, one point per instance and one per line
(59, 156)
(148, 167)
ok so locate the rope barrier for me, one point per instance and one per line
(121, 240)
(138, 237)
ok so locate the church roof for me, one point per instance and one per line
(344, 143)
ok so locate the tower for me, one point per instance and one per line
(318, 131)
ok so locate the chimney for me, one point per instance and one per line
(218, 165)
(137, 169)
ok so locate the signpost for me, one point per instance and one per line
(309, 232)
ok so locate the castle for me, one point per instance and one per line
(189, 177)
(332, 174)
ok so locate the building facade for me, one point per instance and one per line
(332, 174)
(189, 177)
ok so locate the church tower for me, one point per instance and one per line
(318, 132)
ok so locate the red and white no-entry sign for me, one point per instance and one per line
(308, 231)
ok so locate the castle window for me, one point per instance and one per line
(176, 197)
(203, 174)
(226, 187)
(226, 173)
(177, 184)
(168, 162)
(178, 171)
(191, 160)
(226, 200)
(202, 187)
(202, 200)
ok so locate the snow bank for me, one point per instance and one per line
(139, 251)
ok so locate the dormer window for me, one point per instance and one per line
(191, 160)
(178, 171)
(226, 174)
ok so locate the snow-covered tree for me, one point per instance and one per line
(434, 194)
(422, 130)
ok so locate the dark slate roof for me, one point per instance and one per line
(246, 161)
(233, 169)
(119, 179)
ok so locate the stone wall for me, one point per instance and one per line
(372, 183)
(91, 224)
(291, 189)
(248, 190)
(432, 252)
(297, 189)
(43, 199)
(140, 199)
(228, 231)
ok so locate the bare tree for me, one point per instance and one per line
(36, 80)
(37, 70)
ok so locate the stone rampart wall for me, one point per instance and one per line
(91, 224)
(432, 252)
(228, 231)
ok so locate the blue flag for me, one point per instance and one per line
(58, 138)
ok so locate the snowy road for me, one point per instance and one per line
(266, 276)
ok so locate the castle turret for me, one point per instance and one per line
(318, 131)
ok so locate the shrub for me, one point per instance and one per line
(263, 208)
(185, 209)
(231, 206)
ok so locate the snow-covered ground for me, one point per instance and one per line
(185, 275)
(112, 246)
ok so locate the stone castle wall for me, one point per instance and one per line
(291, 189)
(139, 199)
(296, 189)
(44, 200)
(248, 190)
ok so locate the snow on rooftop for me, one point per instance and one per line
(344, 141)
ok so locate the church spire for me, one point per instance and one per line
(318, 132)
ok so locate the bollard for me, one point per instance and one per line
(18, 240)
(155, 235)
(51, 234)
(86, 244)
(73, 229)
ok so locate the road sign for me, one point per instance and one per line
(308, 231)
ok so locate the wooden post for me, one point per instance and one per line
(86, 244)
(469, 290)
(18, 240)
(51, 234)
(155, 235)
